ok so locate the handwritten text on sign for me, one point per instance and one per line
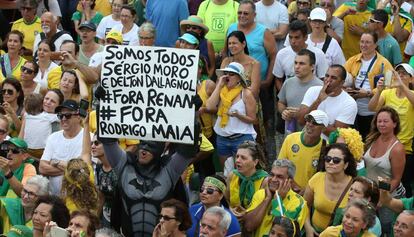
(148, 93)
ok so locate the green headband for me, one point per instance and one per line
(216, 183)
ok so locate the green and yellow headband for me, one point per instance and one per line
(216, 183)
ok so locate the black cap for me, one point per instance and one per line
(88, 24)
(68, 104)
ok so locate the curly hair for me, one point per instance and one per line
(77, 186)
(352, 139)
(348, 158)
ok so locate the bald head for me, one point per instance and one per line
(49, 23)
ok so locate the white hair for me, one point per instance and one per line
(225, 217)
(41, 182)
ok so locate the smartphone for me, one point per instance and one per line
(384, 185)
(83, 108)
(387, 78)
(376, 79)
(56, 56)
(56, 231)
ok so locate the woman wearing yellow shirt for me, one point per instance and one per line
(401, 98)
(11, 62)
(326, 187)
(358, 218)
(247, 178)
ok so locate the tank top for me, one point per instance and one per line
(235, 125)
(380, 166)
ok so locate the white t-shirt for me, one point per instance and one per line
(271, 16)
(60, 148)
(96, 59)
(334, 53)
(43, 80)
(105, 26)
(53, 8)
(131, 37)
(285, 62)
(58, 42)
(38, 128)
(363, 102)
(341, 108)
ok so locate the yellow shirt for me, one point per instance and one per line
(123, 143)
(406, 24)
(102, 6)
(16, 72)
(405, 111)
(335, 231)
(353, 65)
(294, 207)
(29, 30)
(234, 190)
(350, 45)
(304, 157)
(207, 119)
(322, 206)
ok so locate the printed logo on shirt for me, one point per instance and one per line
(218, 22)
(295, 148)
(315, 163)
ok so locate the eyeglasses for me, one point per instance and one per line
(26, 8)
(14, 151)
(166, 218)
(334, 159)
(7, 91)
(145, 38)
(229, 74)
(29, 194)
(96, 143)
(302, 3)
(243, 13)
(65, 115)
(2, 131)
(372, 20)
(26, 70)
(208, 189)
(116, 5)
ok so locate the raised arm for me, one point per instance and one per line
(86, 142)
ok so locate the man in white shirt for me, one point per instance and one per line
(63, 145)
(285, 58)
(340, 107)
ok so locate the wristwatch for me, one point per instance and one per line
(9, 175)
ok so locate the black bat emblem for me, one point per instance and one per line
(144, 185)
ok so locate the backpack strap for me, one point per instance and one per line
(326, 44)
(3, 69)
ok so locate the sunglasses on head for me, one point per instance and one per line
(334, 159)
(7, 91)
(208, 190)
(26, 70)
(65, 115)
(372, 20)
(166, 218)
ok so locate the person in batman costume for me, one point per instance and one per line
(146, 179)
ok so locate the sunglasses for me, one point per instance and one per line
(326, 5)
(96, 143)
(208, 190)
(7, 91)
(65, 115)
(302, 3)
(243, 13)
(229, 74)
(334, 159)
(166, 218)
(145, 38)
(26, 70)
(190, 27)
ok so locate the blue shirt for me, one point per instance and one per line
(166, 16)
(197, 211)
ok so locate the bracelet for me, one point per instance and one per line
(9, 175)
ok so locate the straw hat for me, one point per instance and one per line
(194, 21)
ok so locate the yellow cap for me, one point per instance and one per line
(116, 35)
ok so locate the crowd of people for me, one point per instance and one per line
(304, 120)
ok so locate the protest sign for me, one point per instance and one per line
(148, 92)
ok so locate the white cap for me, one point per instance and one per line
(407, 67)
(318, 14)
(320, 117)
